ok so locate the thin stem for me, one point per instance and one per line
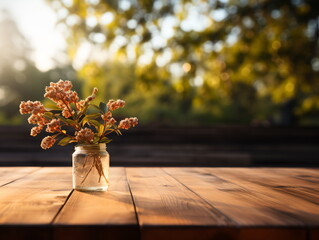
(68, 107)
(98, 166)
(97, 163)
(105, 177)
(70, 111)
(89, 170)
(86, 159)
(106, 133)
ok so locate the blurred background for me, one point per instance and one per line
(215, 83)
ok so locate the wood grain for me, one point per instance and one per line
(10, 174)
(303, 183)
(99, 214)
(29, 204)
(268, 187)
(161, 200)
(35, 198)
(237, 202)
(163, 203)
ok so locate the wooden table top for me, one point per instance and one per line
(162, 203)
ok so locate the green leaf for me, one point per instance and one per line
(101, 130)
(48, 115)
(61, 118)
(103, 107)
(83, 111)
(64, 141)
(90, 117)
(118, 132)
(65, 120)
(51, 106)
(94, 123)
(96, 139)
(70, 121)
(105, 140)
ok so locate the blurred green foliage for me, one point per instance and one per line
(193, 61)
(196, 61)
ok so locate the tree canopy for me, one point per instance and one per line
(199, 61)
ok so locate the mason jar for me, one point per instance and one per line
(91, 164)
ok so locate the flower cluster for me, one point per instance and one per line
(84, 135)
(53, 126)
(36, 130)
(88, 127)
(47, 142)
(38, 119)
(108, 119)
(31, 107)
(113, 105)
(62, 95)
(37, 110)
(128, 123)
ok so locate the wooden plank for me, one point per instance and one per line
(164, 207)
(289, 177)
(161, 200)
(237, 202)
(302, 183)
(29, 204)
(263, 185)
(301, 177)
(99, 215)
(35, 198)
(10, 174)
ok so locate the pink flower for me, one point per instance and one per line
(108, 119)
(128, 122)
(47, 142)
(84, 135)
(113, 105)
(92, 97)
(61, 91)
(36, 130)
(62, 95)
(34, 119)
(37, 119)
(31, 107)
(111, 121)
(53, 126)
(80, 105)
(106, 116)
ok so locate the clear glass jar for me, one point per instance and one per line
(91, 164)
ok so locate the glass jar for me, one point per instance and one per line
(91, 164)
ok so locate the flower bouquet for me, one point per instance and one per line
(72, 120)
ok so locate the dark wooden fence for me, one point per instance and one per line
(150, 146)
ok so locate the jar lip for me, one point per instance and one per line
(94, 146)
